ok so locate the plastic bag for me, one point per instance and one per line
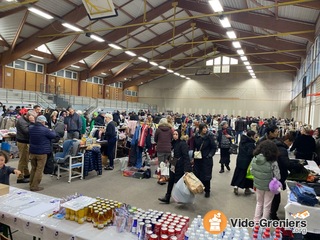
(181, 193)
(249, 174)
(193, 183)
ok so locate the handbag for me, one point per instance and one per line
(233, 149)
(198, 154)
(225, 142)
(193, 183)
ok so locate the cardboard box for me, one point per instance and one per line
(4, 189)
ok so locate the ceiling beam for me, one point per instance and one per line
(15, 39)
(12, 11)
(112, 37)
(313, 5)
(34, 41)
(180, 63)
(275, 43)
(254, 19)
(166, 55)
(106, 67)
(66, 49)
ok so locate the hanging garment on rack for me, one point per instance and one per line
(92, 161)
(143, 135)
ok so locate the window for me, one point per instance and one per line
(60, 73)
(39, 68)
(19, 64)
(74, 75)
(10, 64)
(31, 66)
(68, 74)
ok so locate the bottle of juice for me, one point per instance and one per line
(89, 214)
(96, 218)
(81, 216)
(100, 220)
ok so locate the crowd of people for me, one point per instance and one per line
(263, 145)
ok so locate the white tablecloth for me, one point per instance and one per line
(313, 221)
(29, 212)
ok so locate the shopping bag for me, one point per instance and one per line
(193, 183)
(249, 175)
(181, 193)
(233, 149)
(164, 169)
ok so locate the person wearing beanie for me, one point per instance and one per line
(224, 139)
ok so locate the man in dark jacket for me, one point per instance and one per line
(22, 137)
(99, 120)
(40, 146)
(110, 135)
(240, 126)
(283, 162)
(73, 124)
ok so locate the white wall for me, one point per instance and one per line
(234, 93)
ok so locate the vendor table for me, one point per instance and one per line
(292, 208)
(30, 213)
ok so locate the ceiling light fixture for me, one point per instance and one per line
(114, 46)
(35, 56)
(103, 74)
(250, 71)
(71, 27)
(170, 71)
(246, 63)
(97, 38)
(143, 59)
(249, 67)
(183, 76)
(188, 78)
(224, 21)
(244, 58)
(231, 34)
(216, 5)
(154, 63)
(162, 67)
(178, 74)
(132, 54)
(74, 66)
(236, 44)
(240, 52)
(40, 13)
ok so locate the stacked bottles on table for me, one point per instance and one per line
(100, 213)
(196, 231)
(155, 225)
(260, 233)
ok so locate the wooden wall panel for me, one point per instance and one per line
(67, 86)
(89, 89)
(95, 90)
(100, 91)
(51, 83)
(83, 89)
(60, 85)
(39, 81)
(107, 92)
(8, 78)
(31, 79)
(74, 88)
(19, 79)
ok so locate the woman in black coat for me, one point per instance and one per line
(284, 165)
(183, 164)
(204, 141)
(224, 139)
(246, 147)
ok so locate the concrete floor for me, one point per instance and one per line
(144, 193)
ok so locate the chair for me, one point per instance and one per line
(70, 159)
